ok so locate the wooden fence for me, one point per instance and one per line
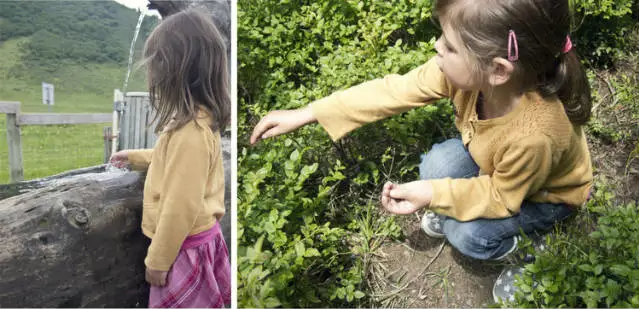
(136, 131)
(131, 129)
(15, 120)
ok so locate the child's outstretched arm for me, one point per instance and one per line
(346, 110)
(281, 122)
(139, 159)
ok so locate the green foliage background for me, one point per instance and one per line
(307, 213)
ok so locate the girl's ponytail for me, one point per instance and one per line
(570, 83)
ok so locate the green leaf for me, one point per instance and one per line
(359, 294)
(272, 302)
(299, 248)
(308, 170)
(295, 155)
(312, 252)
(525, 288)
(598, 270)
(269, 227)
(621, 269)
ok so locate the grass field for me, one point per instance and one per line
(79, 88)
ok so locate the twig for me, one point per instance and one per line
(441, 248)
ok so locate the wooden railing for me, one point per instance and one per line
(15, 120)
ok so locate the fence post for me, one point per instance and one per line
(118, 107)
(108, 136)
(14, 142)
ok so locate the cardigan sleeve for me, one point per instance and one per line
(346, 110)
(140, 159)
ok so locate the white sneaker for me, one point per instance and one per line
(516, 239)
(432, 224)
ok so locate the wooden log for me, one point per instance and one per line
(74, 240)
(74, 244)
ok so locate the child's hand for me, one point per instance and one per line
(281, 122)
(120, 159)
(156, 277)
(406, 198)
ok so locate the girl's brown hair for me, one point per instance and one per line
(541, 27)
(187, 71)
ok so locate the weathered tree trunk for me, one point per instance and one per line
(75, 241)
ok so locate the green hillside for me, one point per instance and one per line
(82, 47)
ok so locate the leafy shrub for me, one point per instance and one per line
(599, 269)
(601, 28)
(305, 202)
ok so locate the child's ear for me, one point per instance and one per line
(502, 71)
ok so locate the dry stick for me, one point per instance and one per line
(411, 250)
(408, 247)
(392, 273)
(611, 89)
(441, 248)
(398, 290)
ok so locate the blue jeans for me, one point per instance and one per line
(484, 238)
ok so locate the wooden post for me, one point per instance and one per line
(108, 136)
(14, 142)
(118, 108)
(137, 111)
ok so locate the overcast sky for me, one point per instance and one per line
(138, 4)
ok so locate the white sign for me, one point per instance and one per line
(47, 94)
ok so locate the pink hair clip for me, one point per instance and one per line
(512, 39)
(568, 45)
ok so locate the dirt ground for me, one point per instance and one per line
(423, 272)
(426, 272)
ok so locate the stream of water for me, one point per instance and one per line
(110, 168)
(132, 50)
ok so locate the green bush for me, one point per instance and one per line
(304, 202)
(600, 269)
(601, 28)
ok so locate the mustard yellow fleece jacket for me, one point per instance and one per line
(533, 153)
(184, 188)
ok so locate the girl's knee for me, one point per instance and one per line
(447, 159)
(472, 239)
(466, 239)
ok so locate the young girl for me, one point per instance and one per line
(187, 263)
(521, 97)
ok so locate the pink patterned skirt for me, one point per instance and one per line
(200, 276)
